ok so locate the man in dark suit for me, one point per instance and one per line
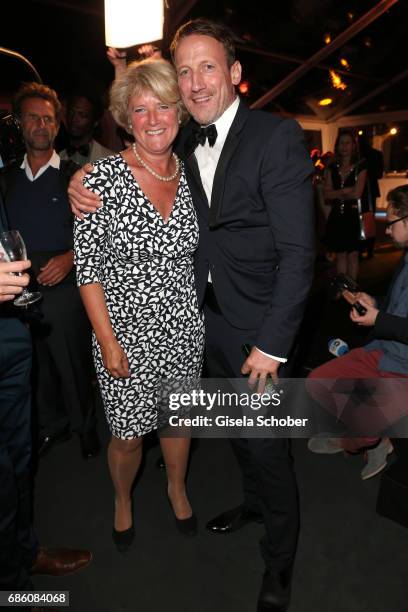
(249, 175)
(254, 266)
(20, 554)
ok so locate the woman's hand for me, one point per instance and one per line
(114, 359)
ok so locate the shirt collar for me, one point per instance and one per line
(224, 122)
(54, 162)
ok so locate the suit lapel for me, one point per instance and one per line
(227, 152)
(186, 152)
(201, 203)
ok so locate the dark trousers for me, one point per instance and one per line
(63, 368)
(18, 545)
(268, 477)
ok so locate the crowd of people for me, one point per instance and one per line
(195, 240)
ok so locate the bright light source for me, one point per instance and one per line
(327, 39)
(133, 22)
(244, 87)
(336, 80)
(325, 102)
(393, 131)
(345, 63)
(360, 132)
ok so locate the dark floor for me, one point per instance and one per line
(349, 559)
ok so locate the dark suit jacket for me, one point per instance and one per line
(257, 237)
(388, 326)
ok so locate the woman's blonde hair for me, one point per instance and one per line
(155, 75)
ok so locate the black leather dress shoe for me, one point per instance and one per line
(47, 441)
(90, 444)
(275, 592)
(234, 519)
(60, 561)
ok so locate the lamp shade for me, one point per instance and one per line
(133, 22)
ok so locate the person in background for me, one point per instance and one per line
(20, 553)
(83, 113)
(35, 197)
(344, 184)
(384, 357)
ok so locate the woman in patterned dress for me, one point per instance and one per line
(344, 184)
(134, 260)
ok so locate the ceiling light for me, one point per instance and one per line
(336, 80)
(325, 101)
(133, 22)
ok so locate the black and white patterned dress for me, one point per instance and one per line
(145, 267)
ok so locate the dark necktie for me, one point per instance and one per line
(82, 150)
(202, 133)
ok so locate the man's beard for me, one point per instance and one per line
(37, 143)
(401, 245)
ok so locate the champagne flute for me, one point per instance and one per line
(13, 249)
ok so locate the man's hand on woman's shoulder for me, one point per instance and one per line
(81, 199)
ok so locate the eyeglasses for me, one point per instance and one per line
(389, 223)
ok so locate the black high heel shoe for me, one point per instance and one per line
(123, 539)
(188, 527)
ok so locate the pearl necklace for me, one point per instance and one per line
(152, 172)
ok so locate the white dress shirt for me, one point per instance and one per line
(207, 159)
(96, 151)
(54, 162)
